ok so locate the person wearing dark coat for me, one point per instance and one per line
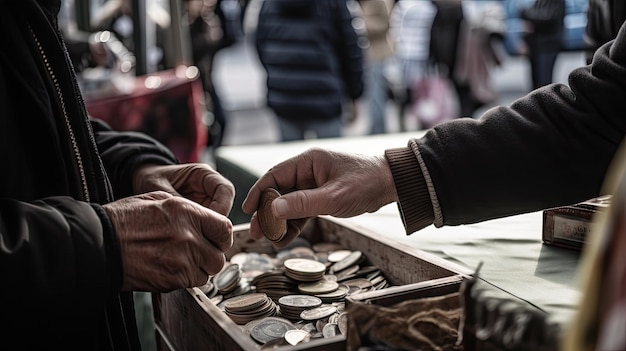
(87, 214)
(543, 38)
(310, 52)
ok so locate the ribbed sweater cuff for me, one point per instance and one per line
(414, 202)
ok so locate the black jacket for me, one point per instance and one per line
(60, 263)
(546, 17)
(550, 148)
(310, 52)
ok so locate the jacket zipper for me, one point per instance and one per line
(70, 131)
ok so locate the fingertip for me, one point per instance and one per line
(249, 204)
(254, 230)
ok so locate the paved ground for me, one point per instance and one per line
(240, 80)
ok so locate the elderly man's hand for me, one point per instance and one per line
(168, 242)
(197, 182)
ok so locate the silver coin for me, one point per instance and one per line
(239, 258)
(300, 301)
(330, 330)
(342, 322)
(270, 328)
(304, 265)
(318, 287)
(318, 312)
(245, 302)
(295, 336)
(227, 277)
(338, 255)
(348, 261)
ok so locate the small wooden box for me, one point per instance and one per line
(187, 320)
(569, 226)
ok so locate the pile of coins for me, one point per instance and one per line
(248, 307)
(297, 295)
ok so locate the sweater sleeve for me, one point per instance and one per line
(123, 152)
(414, 203)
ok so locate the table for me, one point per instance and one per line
(511, 250)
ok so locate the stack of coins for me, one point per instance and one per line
(350, 260)
(275, 284)
(292, 305)
(339, 294)
(243, 309)
(318, 313)
(304, 270)
(227, 280)
(321, 286)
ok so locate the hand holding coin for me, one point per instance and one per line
(273, 228)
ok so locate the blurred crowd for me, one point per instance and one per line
(331, 62)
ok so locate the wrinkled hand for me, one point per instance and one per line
(321, 182)
(168, 242)
(197, 182)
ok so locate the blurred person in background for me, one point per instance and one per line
(116, 17)
(309, 50)
(209, 34)
(376, 14)
(410, 27)
(444, 48)
(543, 38)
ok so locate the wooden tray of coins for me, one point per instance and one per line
(295, 298)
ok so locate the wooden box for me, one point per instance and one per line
(187, 320)
(570, 226)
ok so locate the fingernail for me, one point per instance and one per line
(280, 207)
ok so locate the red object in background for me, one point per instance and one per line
(167, 105)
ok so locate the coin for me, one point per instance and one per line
(295, 336)
(318, 312)
(338, 255)
(330, 330)
(303, 269)
(348, 261)
(300, 301)
(270, 328)
(245, 302)
(342, 322)
(227, 279)
(273, 228)
(319, 287)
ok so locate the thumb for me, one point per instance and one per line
(300, 204)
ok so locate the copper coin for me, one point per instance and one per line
(273, 228)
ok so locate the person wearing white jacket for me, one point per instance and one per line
(410, 24)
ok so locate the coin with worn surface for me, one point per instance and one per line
(227, 279)
(270, 328)
(319, 287)
(350, 260)
(245, 302)
(330, 330)
(273, 228)
(295, 336)
(300, 301)
(303, 269)
(318, 312)
(338, 255)
(342, 322)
